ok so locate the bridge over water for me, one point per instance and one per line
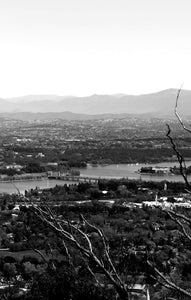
(76, 178)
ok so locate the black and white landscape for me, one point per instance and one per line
(95, 150)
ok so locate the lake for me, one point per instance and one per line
(13, 187)
(109, 171)
(130, 171)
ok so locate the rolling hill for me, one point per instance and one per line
(162, 102)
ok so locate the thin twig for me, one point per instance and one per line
(176, 111)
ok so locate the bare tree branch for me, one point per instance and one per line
(94, 276)
(161, 278)
(185, 233)
(37, 251)
(167, 283)
(179, 156)
(68, 254)
(176, 111)
(106, 247)
(82, 242)
(181, 216)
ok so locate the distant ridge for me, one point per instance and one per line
(161, 102)
(27, 116)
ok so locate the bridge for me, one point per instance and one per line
(76, 178)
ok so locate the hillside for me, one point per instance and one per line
(158, 103)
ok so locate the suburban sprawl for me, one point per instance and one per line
(133, 214)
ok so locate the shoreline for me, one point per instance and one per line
(114, 171)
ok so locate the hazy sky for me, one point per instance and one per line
(83, 47)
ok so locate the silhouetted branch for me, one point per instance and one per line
(179, 156)
(177, 114)
(160, 277)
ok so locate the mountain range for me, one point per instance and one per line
(162, 102)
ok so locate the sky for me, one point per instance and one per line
(85, 47)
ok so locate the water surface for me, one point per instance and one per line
(129, 171)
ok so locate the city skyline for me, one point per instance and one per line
(86, 47)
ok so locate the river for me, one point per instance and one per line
(109, 171)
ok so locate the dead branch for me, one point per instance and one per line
(106, 247)
(185, 233)
(176, 111)
(38, 251)
(180, 219)
(82, 242)
(180, 216)
(179, 156)
(162, 279)
(93, 275)
(68, 254)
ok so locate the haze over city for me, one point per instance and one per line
(93, 47)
